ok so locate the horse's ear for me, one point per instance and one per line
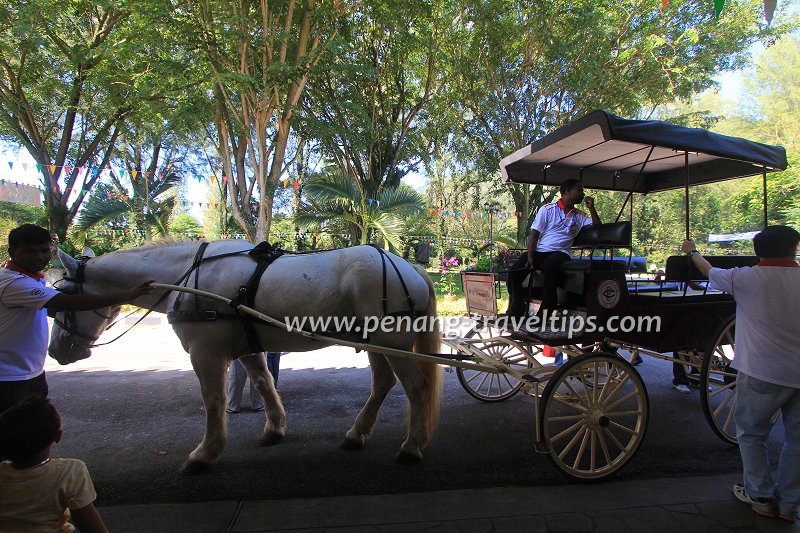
(70, 264)
(88, 252)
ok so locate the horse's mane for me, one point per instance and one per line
(161, 242)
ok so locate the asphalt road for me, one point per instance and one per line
(133, 412)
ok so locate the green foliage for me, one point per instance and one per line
(147, 211)
(72, 72)
(185, 225)
(13, 215)
(336, 204)
(522, 69)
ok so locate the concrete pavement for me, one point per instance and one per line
(695, 504)
(688, 503)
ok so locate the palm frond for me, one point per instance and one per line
(97, 212)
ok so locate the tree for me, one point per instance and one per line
(526, 68)
(336, 203)
(72, 72)
(147, 211)
(259, 56)
(368, 106)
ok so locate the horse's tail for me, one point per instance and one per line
(429, 341)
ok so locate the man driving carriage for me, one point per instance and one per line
(554, 228)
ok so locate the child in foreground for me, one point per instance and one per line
(39, 494)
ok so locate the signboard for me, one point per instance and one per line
(479, 291)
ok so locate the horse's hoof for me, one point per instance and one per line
(270, 439)
(192, 468)
(352, 445)
(405, 458)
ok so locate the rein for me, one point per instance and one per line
(69, 324)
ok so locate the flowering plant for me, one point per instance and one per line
(448, 267)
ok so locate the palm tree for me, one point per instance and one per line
(336, 203)
(148, 210)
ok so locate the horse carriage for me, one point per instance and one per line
(591, 412)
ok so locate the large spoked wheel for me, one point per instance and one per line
(488, 386)
(718, 382)
(594, 414)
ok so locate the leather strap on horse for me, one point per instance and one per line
(385, 299)
(265, 254)
(198, 259)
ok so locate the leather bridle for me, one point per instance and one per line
(69, 323)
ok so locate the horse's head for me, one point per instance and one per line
(75, 332)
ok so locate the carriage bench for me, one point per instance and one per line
(680, 272)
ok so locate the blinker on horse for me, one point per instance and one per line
(339, 283)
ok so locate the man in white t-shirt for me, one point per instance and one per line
(768, 364)
(23, 319)
(552, 232)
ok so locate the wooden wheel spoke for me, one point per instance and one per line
(572, 443)
(625, 378)
(723, 387)
(574, 404)
(729, 418)
(585, 387)
(565, 418)
(604, 447)
(638, 412)
(619, 426)
(614, 439)
(623, 399)
(581, 450)
(593, 451)
(574, 427)
(571, 388)
(724, 403)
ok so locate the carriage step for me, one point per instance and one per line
(567, 326)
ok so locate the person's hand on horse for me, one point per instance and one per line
(140, 290)
(688, 245)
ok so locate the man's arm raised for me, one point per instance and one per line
(87, 302)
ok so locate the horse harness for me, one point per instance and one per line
(264, 253)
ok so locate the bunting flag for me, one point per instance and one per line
(769, 9)
(134, 173)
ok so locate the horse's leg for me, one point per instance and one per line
(421, 382)
(211, 370)
(256, 366)
(383, 380)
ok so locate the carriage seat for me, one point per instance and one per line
(680, 269)
(610, 235)
(597, 236)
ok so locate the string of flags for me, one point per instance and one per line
(286, 235)
(93, 171)
(472, 214)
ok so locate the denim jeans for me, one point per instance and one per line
(756, 402)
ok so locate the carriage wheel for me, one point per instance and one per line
(718, 382)
(594, 415)
(488, 386)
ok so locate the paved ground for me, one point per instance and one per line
(133, 412)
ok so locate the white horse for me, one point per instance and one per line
(349, 282)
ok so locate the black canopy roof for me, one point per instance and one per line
(605, 151)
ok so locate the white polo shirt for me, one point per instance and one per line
(23, 325)
(767, 311)
(558, 229)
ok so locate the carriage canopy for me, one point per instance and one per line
(605, 151)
